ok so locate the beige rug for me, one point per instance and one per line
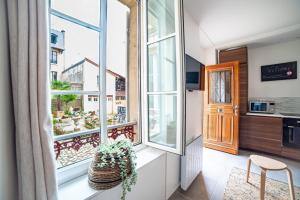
(238, 189)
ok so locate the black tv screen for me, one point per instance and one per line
(192, 77)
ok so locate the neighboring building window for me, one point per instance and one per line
(109, 98)
(53, 76)
(95, 98)
(53, 38)
(53, 57)
(120, 84)
(120, 98)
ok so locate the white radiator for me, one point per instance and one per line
(191, 163)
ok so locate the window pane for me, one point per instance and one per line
(162, 66)
(77, 54)
(162, 124)
(227, 86)
(161, 18)
(74, 113)
(220, 87)
(117, 69)
(84, 10)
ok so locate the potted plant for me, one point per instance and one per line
(114, 164)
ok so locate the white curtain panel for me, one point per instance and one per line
(28, 47)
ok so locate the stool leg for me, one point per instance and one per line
(248, 170)
(262, 184)
(291, 185)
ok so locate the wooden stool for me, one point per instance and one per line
(269, 164)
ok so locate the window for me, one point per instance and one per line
(53, 57)
(53, 38)
(95, 70)
(163, 81)
(53, 76)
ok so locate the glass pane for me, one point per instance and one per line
(227, 86)
(214, 89)
(161, 18)
(84, 10)
(74, 113)
(116, 76)
(162, 124)
(77, 50)
(162, 66)
(220, 87)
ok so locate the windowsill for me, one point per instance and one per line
(79, 188)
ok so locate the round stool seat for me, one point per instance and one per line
(267, 163)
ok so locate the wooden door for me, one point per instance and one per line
(221, 107)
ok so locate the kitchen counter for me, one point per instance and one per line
(272, 115)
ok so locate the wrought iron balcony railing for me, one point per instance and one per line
(75, 147)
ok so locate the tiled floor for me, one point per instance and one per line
(210, 184)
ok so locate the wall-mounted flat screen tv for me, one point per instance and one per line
(193, 73)
(192, 77)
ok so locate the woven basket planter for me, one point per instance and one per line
(103, 178)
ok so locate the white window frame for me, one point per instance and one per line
(180, 75)
(75, 170)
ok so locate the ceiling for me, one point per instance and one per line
(227, 23)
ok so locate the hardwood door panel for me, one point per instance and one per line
(227, 129)
(212, 132)
(221, 110)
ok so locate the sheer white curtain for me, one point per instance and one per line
(28, 47)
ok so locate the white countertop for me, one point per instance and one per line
(272, 115)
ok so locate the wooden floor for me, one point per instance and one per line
(210, 184)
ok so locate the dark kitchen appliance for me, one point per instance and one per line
(291, 132)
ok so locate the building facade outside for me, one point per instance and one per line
(57, 60)
(84, 75)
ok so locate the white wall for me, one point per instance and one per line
(150, 184)
(272, 54)
(157, 180)
(8, 179)
(194, 99)
(210, 56)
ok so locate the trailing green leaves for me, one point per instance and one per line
(120, 154)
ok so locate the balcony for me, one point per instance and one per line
(75, 147)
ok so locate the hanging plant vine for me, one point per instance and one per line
(120, 154)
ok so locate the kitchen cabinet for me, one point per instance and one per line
(264, 134)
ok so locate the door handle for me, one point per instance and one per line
(219, 110)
